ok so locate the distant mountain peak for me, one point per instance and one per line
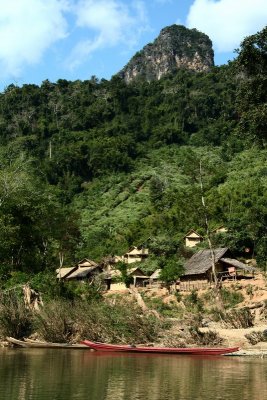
(176, 47)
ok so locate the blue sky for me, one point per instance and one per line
(75, 39)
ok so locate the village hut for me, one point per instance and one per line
(135, 254)
(154, 279)
(109, 263)
(63, 273)
(198, 269)
(85, 262)
(84, 270)
(220, 229)
(85, 273)
(192, 238)
(114, 277)
(138, 276)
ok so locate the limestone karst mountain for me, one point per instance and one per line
(176, 47)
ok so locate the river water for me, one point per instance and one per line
(58, 374)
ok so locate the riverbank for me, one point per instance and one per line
(260, 351)
(237, 337)
(250, 353)
(148, 316)
(229, 337)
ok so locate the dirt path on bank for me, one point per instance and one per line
(254, 294)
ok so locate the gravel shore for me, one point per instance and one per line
(249, 352)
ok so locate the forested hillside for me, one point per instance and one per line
(89, 168)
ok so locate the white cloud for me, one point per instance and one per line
(27, 29)
(111, 21)
(227, 22)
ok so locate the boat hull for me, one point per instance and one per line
(159, 350)
(47, 345)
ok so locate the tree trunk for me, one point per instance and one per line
(212, 254)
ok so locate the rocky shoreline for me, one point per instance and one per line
(249, 352)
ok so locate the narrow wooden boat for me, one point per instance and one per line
(36, 344)
(204, 351)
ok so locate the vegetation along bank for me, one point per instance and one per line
(92, 168)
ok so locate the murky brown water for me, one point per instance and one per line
(40, 374)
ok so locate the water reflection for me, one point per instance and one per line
(38, 374)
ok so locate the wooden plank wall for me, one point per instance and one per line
(187, 286)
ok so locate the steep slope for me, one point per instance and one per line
(175, 48)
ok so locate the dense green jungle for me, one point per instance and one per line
(89, 168)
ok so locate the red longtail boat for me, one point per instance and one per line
(203, 351)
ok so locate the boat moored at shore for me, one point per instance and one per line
(204, 351)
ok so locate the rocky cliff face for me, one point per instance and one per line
(176, 47)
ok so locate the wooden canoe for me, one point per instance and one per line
(37, 344)
(204, 351)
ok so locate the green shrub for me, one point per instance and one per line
(231, 298)
(122, 321)
(193, 302)
(256, 337)
(54, 323)
(171, 310)
(15, 318)
(238, 318)
(118, 321)
(51, 288)
(209, 338)
(250, 290)
(178, 296)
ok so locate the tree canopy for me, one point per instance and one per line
(89, 168)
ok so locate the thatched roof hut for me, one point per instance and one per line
(192, 238)
(135, 254)
(83, 273)
(155, 275)
(85, 262)
(201, 262)
(137, 275)
(199, 267)
(63, 273)
(82, 270)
